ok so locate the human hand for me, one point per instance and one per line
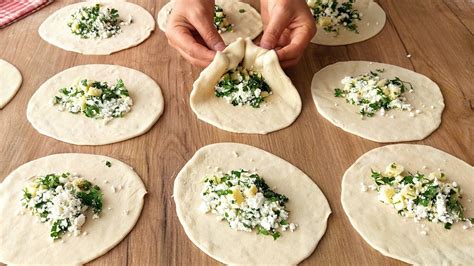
(289, 27)
(191, 31)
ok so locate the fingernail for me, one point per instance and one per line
(266, 45)
(219, 46)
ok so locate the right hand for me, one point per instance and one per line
(191, 31)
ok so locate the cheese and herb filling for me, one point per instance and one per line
(96, 22)
(374, 94)
(332, 15)
(62, 201)
(421, 197)
(220, 20)
(95, 99)
(246, 202)
(241, 86)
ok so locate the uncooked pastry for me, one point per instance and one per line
(26, 241)
(307, 206)
(55, 30)
(10, 82)
(279, 109)
(246, 24)
(371, 23)
(426, 97)
(400, 238)
(80, 130)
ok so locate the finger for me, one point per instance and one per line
(181, 38)
(209, 33)
(192, 60)
(300, 38)
(279, 21)
(290, 63)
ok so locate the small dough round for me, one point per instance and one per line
(55, 31)
(246, 24)
(278, 111)
(307, 206)
(10, 82)
(426, 97)
(371, 23)
(78, 129)
(27, 241)
(398, 237)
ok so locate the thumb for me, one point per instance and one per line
(279, 21)
(210, 35)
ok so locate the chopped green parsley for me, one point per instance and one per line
(220, 20)
(374, 93)
(96, 22)
(108, 164)
(241, 86)
(95, 99)
(332, 15)
(421, 197)
(246, 202)
(62, 201)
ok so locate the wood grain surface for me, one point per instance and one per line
(437, 34)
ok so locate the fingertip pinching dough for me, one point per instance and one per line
(342, 22)
(67, 209)
(379, 102)
(412, 203)
(96, 105)
(244, 90)
(224, 185)
(97, 28)
(10, 82)
(232, 18)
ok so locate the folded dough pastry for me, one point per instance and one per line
(278, 110)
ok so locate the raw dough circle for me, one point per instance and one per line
(372, 22)
(54, 30)
(307, 205)
(247, 24)
(10, 82)
(390, 233)
(26, 241)
(80, 130)
(279, 109)
(426, 97)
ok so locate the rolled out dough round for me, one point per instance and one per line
(279, 109)
(426, 97)
(307, 206)
(55, 31)
(27, 241)
(245, 24)
(393, 235)
(10, 82)
(81, 130)
(371, 23)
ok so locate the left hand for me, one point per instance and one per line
(288, 28)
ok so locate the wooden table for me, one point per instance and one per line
(437, 34)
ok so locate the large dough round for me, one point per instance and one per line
(279, 109)
(378, 128)
(247, 24)
(10, 82)
(80, 130)
(372, 22)
(307, 205)
(26, 241)
(55, 30)
(400, 238)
